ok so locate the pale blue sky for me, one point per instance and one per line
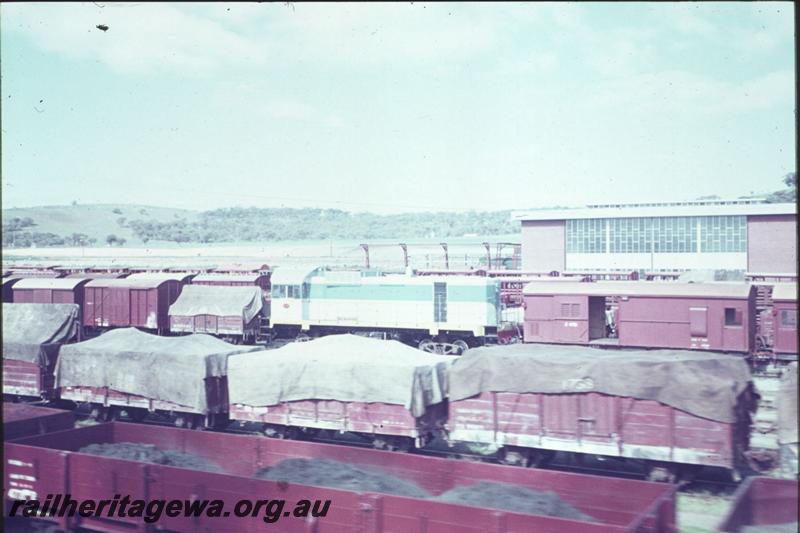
(393, 107)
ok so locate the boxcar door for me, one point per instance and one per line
(440, 302)
(117, 307)
(698, 327)
(212, 324)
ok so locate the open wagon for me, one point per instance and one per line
(384, 390)
(53, 464)
(182, 378)
(673, 410)
(764, 502)
(32, 337)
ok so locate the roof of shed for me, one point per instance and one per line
(784, 291)
(50, 283)
(640, 288)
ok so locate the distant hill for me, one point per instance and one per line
(90, 225)
(96, 221)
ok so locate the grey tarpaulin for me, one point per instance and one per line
(343, 368)
(33, 332)
(703, 384)
(215, 300)
(162, 368)
(787, 406)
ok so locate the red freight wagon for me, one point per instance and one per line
(763, 501)
(23, 420)
(784, 301)
(51, 464)
(230, 312)
(32, 337)
(50, 290)
(388, 391)
(128, 370)
(699, 316)
(138, 300)
(667, 407)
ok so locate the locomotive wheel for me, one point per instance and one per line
(461, 346)
(427, 345)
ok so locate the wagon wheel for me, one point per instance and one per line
(136, 414)
(461, 346)
(98, 413)
(662, 473)
(302, 338)
(112, 414)
(540, 458)
(392, 444)
(513, 456)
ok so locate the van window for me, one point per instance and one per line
(789, 318)
(733, 316)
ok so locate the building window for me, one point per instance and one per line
(657, 235)
(733, 316)
(789, 318)
(723, 234)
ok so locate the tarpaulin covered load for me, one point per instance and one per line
(703, 384)
(787, 406)
(195, 300)
(346, 368)
(132, 362)
(33, 332)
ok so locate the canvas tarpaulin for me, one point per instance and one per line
(33, 332)
(704, 384)
(787, 406)
(214, 300)
(346, 368)
(161, 368)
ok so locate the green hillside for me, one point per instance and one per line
(96, 221)
(90, 225)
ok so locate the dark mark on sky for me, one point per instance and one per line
(102, 27)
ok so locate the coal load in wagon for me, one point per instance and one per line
(33, 332)
(334, 474)
(148, 453)
(513, 498)
(129, 361)
(346, 368)
(707, 385)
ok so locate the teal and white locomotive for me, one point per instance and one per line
(443, 314)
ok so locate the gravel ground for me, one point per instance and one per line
(701, 512)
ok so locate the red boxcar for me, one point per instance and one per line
(50, 290)
(700, 316)
(23, 420)
(762, 501)
(784, 301)
(51, 464)
(134, 301)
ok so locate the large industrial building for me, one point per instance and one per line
(744, 235)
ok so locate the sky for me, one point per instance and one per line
(394, 107)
